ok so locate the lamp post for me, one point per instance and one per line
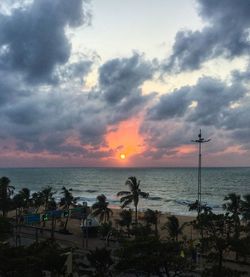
(200, 140)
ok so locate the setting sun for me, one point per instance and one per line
(125, 141)
(122, 156)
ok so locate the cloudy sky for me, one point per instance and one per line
(124, 83)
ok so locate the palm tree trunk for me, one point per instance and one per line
(136, 219)
(53, 227)
(66, 222)
(220, 260)
(156, 229)
(128, 231)
(237, 235)
(166, 271)
(4, 212)
(4, 208)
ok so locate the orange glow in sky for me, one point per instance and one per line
(126, 140)
(187, 149)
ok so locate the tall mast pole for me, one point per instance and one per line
(200, 140)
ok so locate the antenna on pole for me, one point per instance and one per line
(200, 140)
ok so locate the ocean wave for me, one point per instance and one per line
(183, 202)
(187, 202)
(91, 190)
(208, 193)
(168, 200)
(155, 198)
(87, 199)
(76, 190)
(214, 206)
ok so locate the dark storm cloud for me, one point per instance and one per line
(92, 131)
(64, 118)
(211, 99)
(214, 99)
(119, 78)
(221, 109)
(33, 39)
(10, 87)
(34, 48)
(226, 34)
(171, 105)
(238, 117)
(166, 135)
(241, 136)
(120, 82)
(55, 144)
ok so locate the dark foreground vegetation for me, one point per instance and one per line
(134, 245)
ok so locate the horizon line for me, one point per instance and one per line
(118, 167)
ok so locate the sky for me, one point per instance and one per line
(124, 83)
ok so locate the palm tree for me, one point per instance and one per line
(101, 209)
(173, 227)
(127, 197)
(125, 219)
(66, 201)
(18, 203)
(233, 207)
(6, 191)
(245, 207)
(6, 228)
(47, 196)
(43, 197)
(37, 200)
(22, 200)
(52, 205)
(152, 217)
(26, 197)
(33, 260)
(99, 263)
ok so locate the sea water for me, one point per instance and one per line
(170, 189)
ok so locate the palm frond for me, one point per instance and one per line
(96, 212)
(127, 197)
(101, 198)
(144, 194)
(101, 216)
(126, 203)
(96, 206)
(132, 183)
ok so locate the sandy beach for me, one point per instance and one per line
(76, 235)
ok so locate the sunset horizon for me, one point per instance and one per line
(125, 138)
(82, 85)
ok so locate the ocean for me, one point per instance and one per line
(170, 189)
